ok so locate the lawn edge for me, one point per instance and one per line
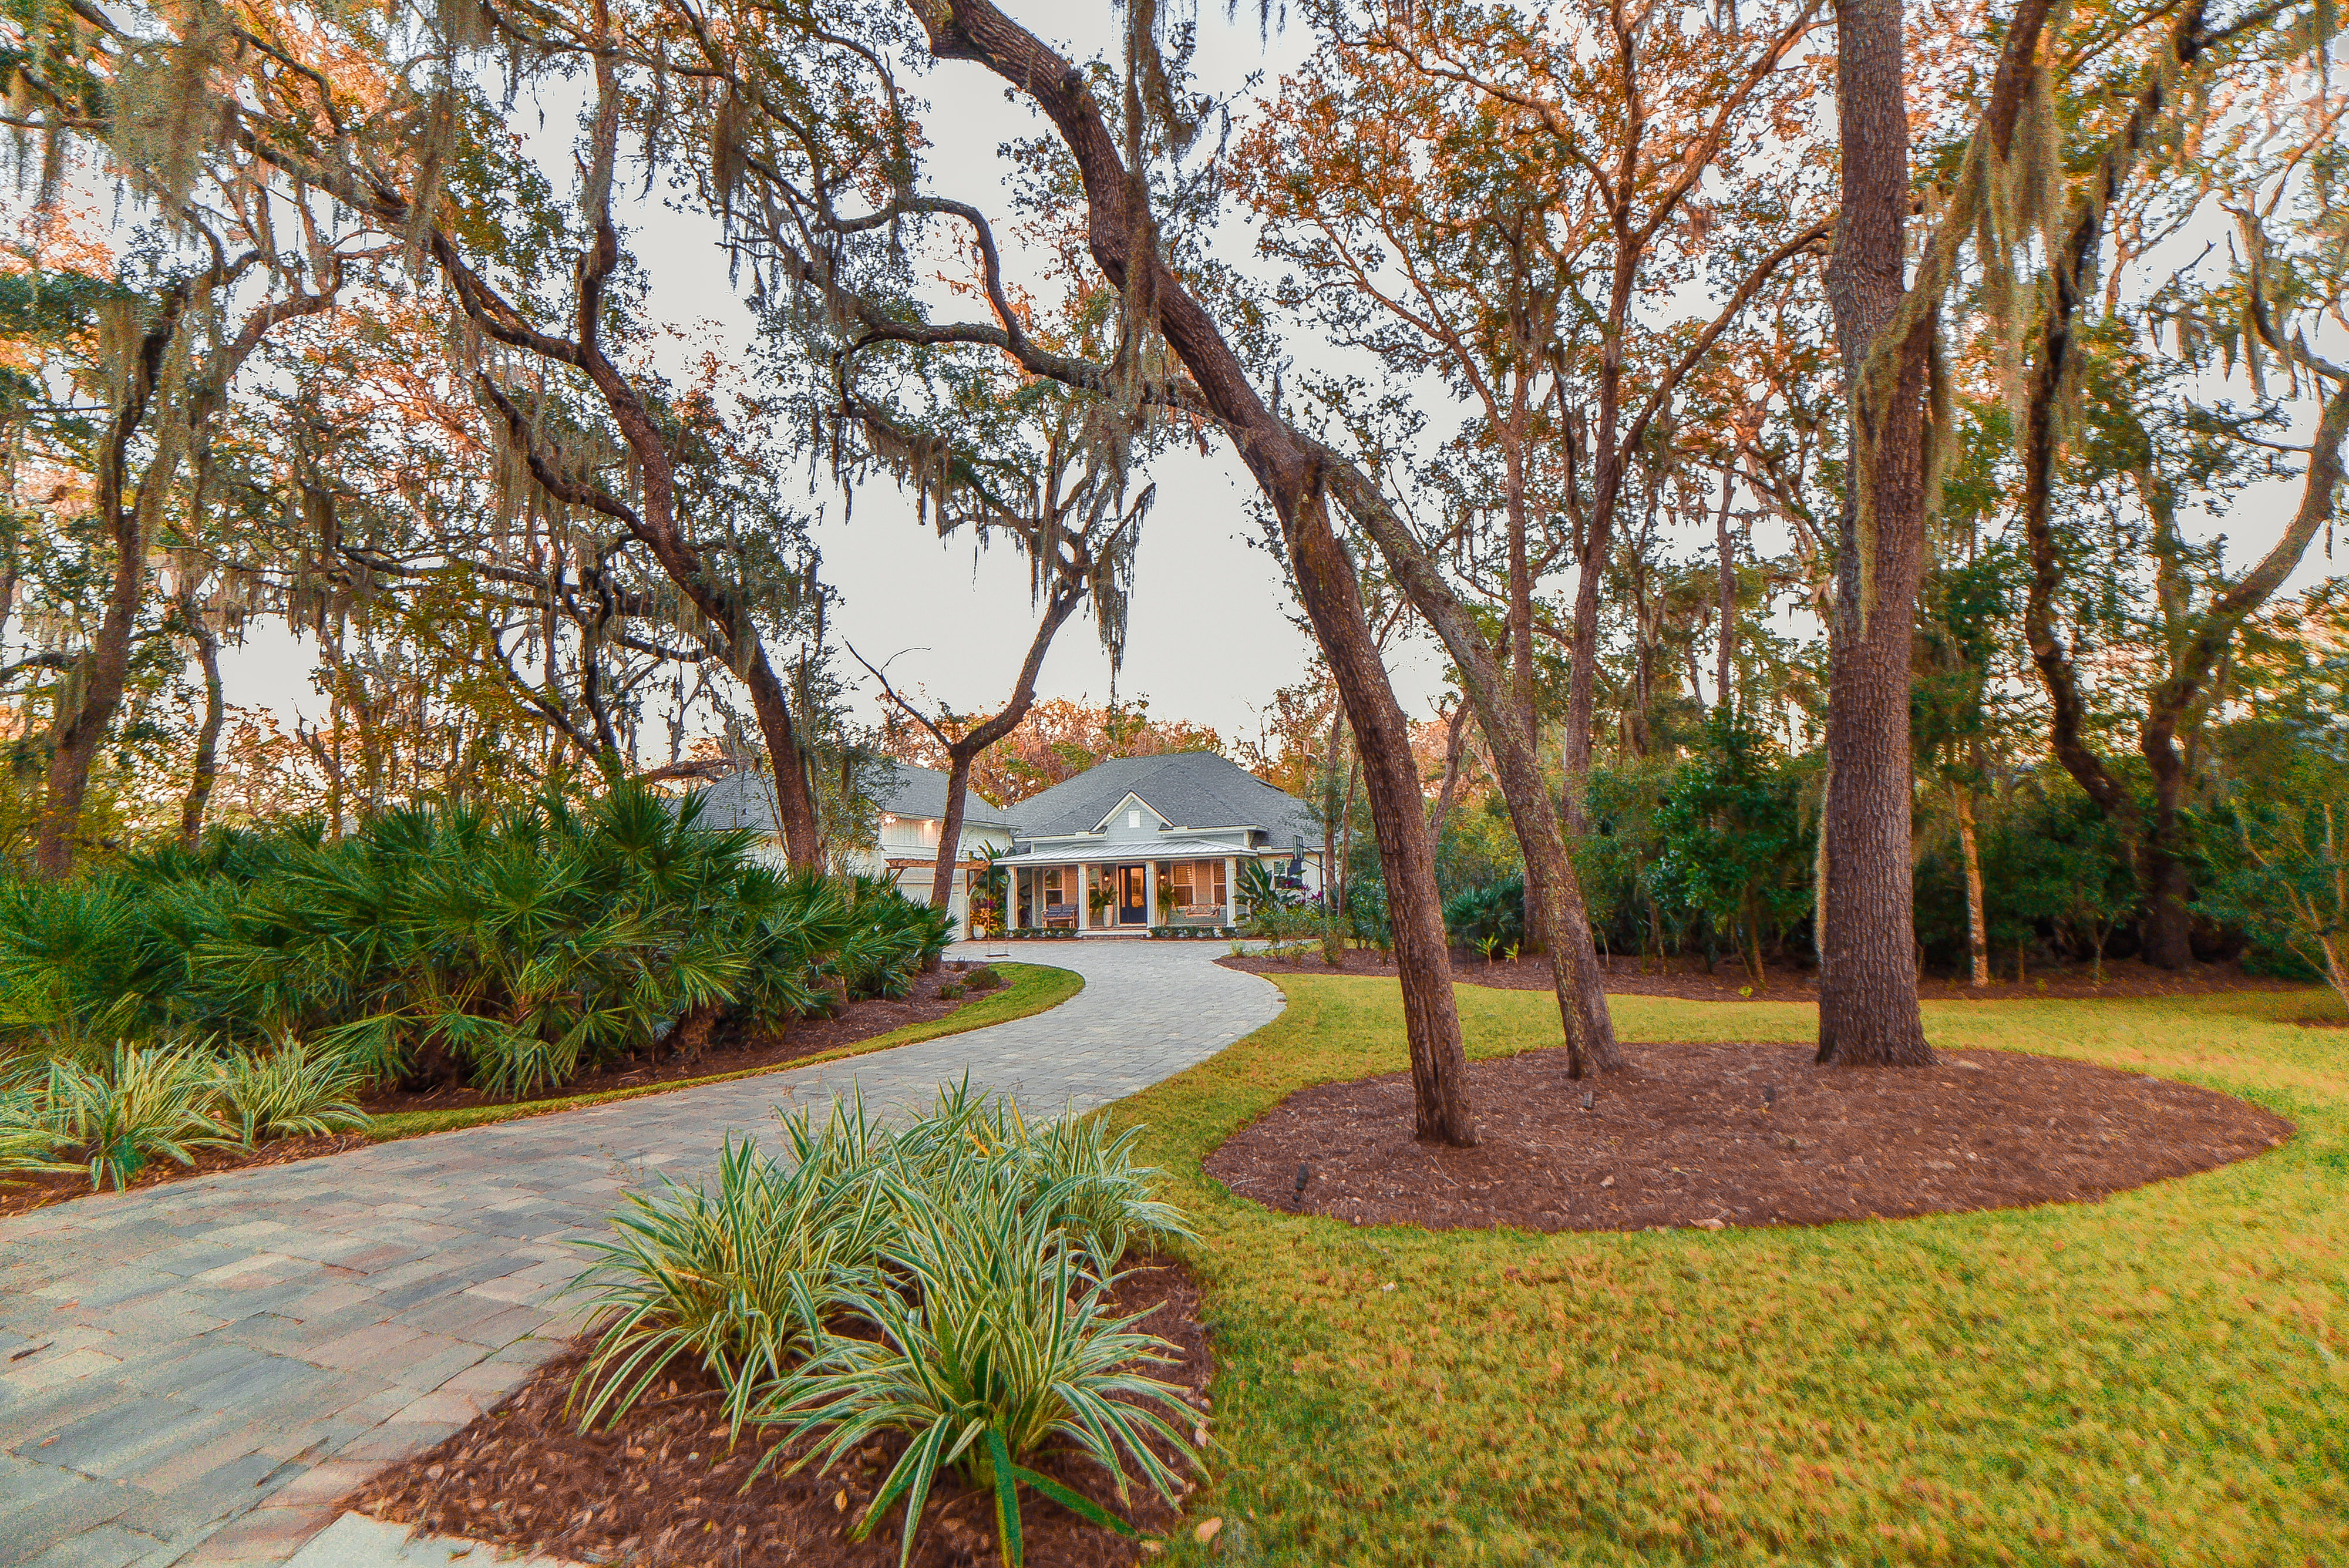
(1038, 989)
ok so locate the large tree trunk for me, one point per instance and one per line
(1291, 472)
(207, 760)
(1579, 982)
(1867, 984)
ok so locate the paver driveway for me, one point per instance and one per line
(197, 1371)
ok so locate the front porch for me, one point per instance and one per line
(1108, 897)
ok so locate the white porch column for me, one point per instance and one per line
(1083, 894)
(1231, 889)
(1149, 893)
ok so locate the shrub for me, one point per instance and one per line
(138, 1106)
(29, 1138)
(953, 990)
(976, 1245)
(2283, 874)
(294, 1091)
(986, 976)
(511, 948)
(740, 1276)
(1000, 1345)
(1495, 913)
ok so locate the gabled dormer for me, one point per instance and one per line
(1133, 817)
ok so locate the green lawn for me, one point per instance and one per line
(1029, 988)
(2162, 1378)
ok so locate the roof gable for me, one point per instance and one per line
(1183, 789)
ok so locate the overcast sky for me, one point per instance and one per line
(1211, 634)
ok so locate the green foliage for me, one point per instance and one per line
(739, 1275)
(137, 1105)
(2281, 869)
(1487, 918)
(1000, 1343)
(513, 948)
(980, 1246)
(295, 1090)
(1732, 846)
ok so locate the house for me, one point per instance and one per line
(913, 814)
(1138, 842)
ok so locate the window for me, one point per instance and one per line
(1052, 884)
(1133, 817)
(1198, 883)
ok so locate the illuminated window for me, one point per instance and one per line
(1198, 882)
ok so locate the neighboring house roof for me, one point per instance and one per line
(922, 793)
(746, 799)
(1188, 789)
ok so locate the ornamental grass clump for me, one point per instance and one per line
(995, 1341)
(948, 1280)
(295, 1090)
(137, 1106)
(740, 1275)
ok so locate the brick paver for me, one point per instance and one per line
(195, 1372)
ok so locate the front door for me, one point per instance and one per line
(1132, 896)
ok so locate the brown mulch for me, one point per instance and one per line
(1738, 1135)
(662, 1487)
(23, 1196)
(758, 1048)
(1686, 980)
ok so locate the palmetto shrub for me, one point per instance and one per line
(946, 1281)
(513, 948)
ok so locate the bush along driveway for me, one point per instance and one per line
(198, 1370)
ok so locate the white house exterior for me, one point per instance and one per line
(1138, 842)
(912, 815)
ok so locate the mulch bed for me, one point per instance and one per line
(661, 1487)
(23, 1195)
(1686, 980)
(1738, 1135)
(756, 1048)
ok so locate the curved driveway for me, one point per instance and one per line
(196, 1371)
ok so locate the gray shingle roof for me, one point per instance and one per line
(922, 792)
(1189, 789)
(745, 799)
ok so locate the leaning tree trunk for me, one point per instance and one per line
(1291, 472)
(1579, 983)
(1725, 669)
(87, 705)
(1867, 984)
(964, 751)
